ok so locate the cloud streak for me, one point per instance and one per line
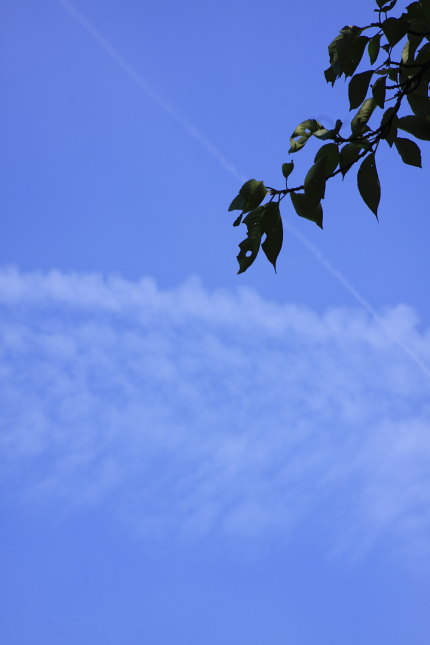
(213, 414)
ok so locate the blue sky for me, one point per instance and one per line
(188, 455)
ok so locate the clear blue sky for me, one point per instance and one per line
(187, 455)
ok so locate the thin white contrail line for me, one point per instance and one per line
(149, 91)
(359, 298)
(231, 169)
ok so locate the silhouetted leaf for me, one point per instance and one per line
(373, 48)
(379, 91)
(420, 104)
(306, 208)
(315, 181)
(238, 204)
(330, 152)
(386, 4)
(272, 227)
(250, 246)
(368, 183)
(410, 48)
(253, 192)
(330, 75)
(356, 55)
(389, 126)
(409, 151)
(340, 48)
(357, 89)
(418, 126)
(287, 169)
(358, 123)
(348, 156)
(395, 29)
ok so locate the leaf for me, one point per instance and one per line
(348, 156)
(272, 227)
(238, 220)
(305, 208)
(379, 90)
(418, 126)
(250, 246)
(381, 4)
(357, 89)
(238, 204)
(423, 56)
(395, 29)
(314, 183)
(330, 75)
(253, 192)
(420, 104)
(356, 55)
(302, 133)
(410, 48)
(340, 48)
(359, 121)
(389, 126)
(409, 151)
(373, 48)
(330, 152)
(323, 133)
(368, 183)
(287, 169)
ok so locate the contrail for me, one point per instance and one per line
(359, 298)
(231, 169)
(149, 91)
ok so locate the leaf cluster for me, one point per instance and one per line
(394, 55)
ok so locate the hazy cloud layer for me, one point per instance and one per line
(217, 413)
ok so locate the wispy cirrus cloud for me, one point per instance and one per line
(213, 413)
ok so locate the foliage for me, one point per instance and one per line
(398, 74)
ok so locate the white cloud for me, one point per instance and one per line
(214, 413)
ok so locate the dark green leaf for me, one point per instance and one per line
(358, 123)
(330, 152)
(302, 133)
(340, 48)
(395, 29)
(389, 126)
(373, 48)
(356, 55)
(348, 156)
(315, 181)
(418, 126)
(324, 134)
(409, 151)
(368, 183)
(238, 220)
(272, 227)
(357, 89)
(253, 193)
(330, 75)
(250, 246)
(337, 126)
(379, 90)
(420, 104)
(386, 4)
(410, 48)
(307, 209)
(423, 55)
(238, 204)
(287, 169)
